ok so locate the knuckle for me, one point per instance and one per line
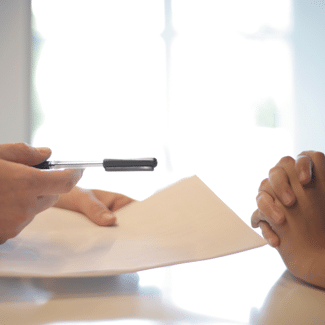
(256, 218)
(303, 162)
(287, 160)
(264, 202)
(25, 151)
(264, 184)
(318, 156)
(69, 181)
(68, 186)
(275, 170)
(305, 154)
(260, 197)
(23, 148)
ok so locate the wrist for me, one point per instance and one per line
(315, 272)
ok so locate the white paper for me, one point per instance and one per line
(182, 223)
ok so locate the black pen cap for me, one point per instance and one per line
(124, 163)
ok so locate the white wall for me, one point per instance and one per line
(309, 74)
(14, 70)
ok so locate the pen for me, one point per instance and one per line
(114, 165)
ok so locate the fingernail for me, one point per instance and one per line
(108, 216)
(286, 198)
(44, 150)
(302, 176)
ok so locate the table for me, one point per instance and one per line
(252, 287)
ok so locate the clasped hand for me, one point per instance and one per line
(291, 214)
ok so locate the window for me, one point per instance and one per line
(204, 86)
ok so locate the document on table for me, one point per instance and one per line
(183, 223)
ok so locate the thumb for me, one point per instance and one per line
(97, 212)
(304, 167)
(22, 153)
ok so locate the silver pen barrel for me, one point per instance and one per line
(73, 165)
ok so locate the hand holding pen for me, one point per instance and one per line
(27, 191)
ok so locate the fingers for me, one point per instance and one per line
(268, 213)
(100, 205)
(304, 167)
(280, 184)
(97, 205)
(258, 220)
(287, 181)
(269, 234)
(287, 164)
(41, 182)
(267, 206)
(55, 181)
(318, 166)
(97, 211)
(24, 154)
(114, 201)
(280, 180)
(284, 180)
(85, 202)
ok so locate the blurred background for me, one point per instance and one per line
(220, 89)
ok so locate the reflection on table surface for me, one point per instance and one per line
(247, 288)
